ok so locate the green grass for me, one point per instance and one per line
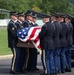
(4, 50)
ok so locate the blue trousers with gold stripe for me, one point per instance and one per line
(15, 59)
(31, 59)
(43, 61)
(56, 56)
(63, 59)
(68, 57)
(47, 61)
(22, 59)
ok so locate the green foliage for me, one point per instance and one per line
(62, 6)
(3, 42)
(35, 8)
(44, 6)
(72, 1)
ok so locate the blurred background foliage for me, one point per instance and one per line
(43, 6)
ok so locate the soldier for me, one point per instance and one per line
(23, 51)
(34, 52)
(34, 19)
(45, 19)
(12, 41)
(47, 46)
(29, 66)
(69, 42)
(21, 19)
(56, 38)
(28, 18)
(63, 41)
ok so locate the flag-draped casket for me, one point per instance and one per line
(29, 37)
(27, 44)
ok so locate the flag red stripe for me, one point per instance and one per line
(33, 32)
(36, 39)
(38, 46)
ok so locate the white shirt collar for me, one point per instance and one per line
(53, 21)
(14, 21)
(67, 22)
(29, 21)
(20, 21)
(60, 21)
(33, 22)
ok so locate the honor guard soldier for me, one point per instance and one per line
(47, 46)
(28, 18)
(23, 51)
(63, 41)
(12, 41)
(29, 66)
(69, 42)
(34, 50)
(20, 20)
(57, 50)
(34, 19)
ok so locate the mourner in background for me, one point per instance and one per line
(63, 41)
(47, 46)
(69, 42)
(12, 42)
(23, 51)
(57, 50)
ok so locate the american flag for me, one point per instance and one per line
(30, 33)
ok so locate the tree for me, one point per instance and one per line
(35, 8)
(72, 1)
(43, 6)
(62, 6)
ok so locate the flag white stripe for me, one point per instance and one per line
(36, 34)
(37, 43)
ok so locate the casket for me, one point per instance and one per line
(27, 44)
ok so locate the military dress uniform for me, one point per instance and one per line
(30, 51)
(12, 42)
(23, 51)
(34, 54)
(47, 46)
(69, 42)
(19, 25)
(30, 57)
(63, 42)
(29, 63)
(57, 49)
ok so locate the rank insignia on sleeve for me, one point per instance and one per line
(12, 28)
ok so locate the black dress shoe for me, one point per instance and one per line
(44, 74)
(62, 72)
(16, 72)
(52, 74)
(68, 70)
(13, 72)
(36, 69)
(23, 71)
